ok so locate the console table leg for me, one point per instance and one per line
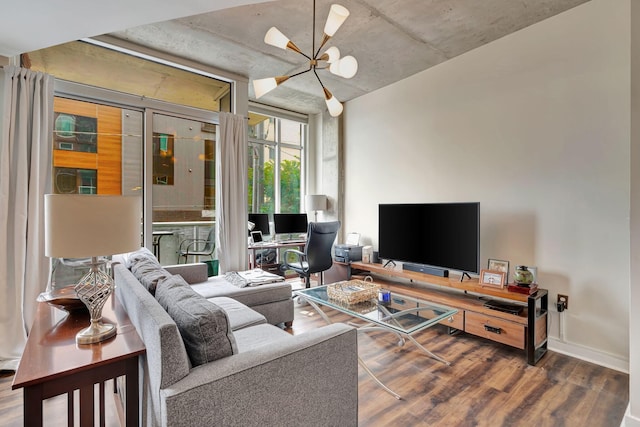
(32, 408)
(86, 405)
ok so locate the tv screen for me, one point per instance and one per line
(261, 220)
(289, 223)
(445, 235)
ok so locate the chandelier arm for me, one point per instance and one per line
(301, 72)
(303, 54)
(318, 77)
(325, 39)
(313, 31)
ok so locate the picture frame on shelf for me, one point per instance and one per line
(499, 265)
(493, 278)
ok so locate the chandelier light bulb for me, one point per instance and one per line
(332, 55)
(263, 86)
(348, 67)
(274, 37)
(337, 15)
(333, 105)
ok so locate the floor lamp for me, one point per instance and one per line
(315, 203)
(90, 226)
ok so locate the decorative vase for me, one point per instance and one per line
(522, 276)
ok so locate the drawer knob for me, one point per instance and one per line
(450, 319)
(492, 329)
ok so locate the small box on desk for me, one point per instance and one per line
(348, 253)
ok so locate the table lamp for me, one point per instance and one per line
(83, 226)
(315, 203)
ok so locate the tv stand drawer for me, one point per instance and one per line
(456, 321)
(495, 329)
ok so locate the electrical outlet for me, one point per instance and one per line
(563, 299)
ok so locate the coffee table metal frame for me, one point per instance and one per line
(419, 316)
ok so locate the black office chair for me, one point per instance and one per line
(198, 247)
(316, 257)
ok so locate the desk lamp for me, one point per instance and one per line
(82, 226)
(315, 203)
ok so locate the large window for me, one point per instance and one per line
(129, 125)
(276, 167)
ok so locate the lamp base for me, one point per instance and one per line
(94, 289)
(96, 332)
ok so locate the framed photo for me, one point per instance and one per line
(493, 278)
(499, 265)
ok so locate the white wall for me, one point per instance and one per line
(632, 418)
(535, 126)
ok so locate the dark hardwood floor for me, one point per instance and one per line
(487, 384)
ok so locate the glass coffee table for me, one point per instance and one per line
(402, 315)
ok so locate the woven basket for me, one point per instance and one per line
(352, 291)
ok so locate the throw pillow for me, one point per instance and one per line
(149, 272)
(203, 325)
(139, 255)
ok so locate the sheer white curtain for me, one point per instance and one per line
(231, 193)
(26, 108)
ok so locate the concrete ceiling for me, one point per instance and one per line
(36, 24)
(391, 39)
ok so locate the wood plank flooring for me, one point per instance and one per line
(487, 384)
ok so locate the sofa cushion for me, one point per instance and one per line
(204, 326)
(249, 339)
(149, 273)
(137, 255)
(240, 316)
(192, 273)
(250, 296)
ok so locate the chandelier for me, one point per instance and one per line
(330, 59)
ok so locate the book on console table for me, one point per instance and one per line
(526, 290)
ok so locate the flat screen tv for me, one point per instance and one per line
(289, 223)
(442, 235)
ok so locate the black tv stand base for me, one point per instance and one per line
(464, 273)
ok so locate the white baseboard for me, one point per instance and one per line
(628, 420)
(589, 355)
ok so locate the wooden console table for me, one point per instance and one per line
(53, 364)
(527, 330)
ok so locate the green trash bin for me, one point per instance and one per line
(212, 267)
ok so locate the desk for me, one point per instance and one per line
(53, 364)
(285, 244)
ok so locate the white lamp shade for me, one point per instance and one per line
(346, 67)
(337, 15)
(263, 86)
(316, 202)
(274, 37)
(82, 226)
(333, 53)
(334, 106)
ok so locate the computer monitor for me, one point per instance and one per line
(261, 221)
(290, 223)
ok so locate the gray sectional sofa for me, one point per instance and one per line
(229, 366)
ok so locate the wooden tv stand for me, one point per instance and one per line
(526, 330)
